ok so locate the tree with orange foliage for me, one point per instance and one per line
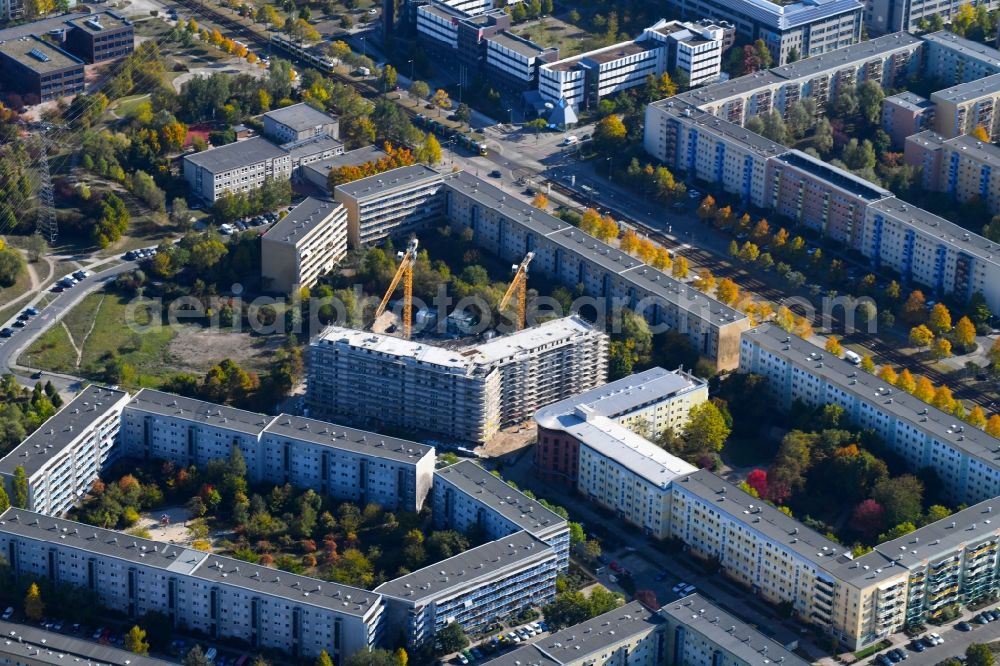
(981, 134)
(629, 242)
(705, 280)
(661, 259)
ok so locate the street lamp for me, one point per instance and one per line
(411, 70)
(364, 47)
(609, 168)
(510, 116)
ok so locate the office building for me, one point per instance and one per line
(906, 114)
(629, 634)
(39, 71)
(829, 200)
(649, 403)
(468, 498)
(693, 49)
(236, 167)
(481, 586)
(100, 37)
(790, 30)
(699, 633)
(513, 62)
(962, 167)
(317, 173)
(950, 59)
(299, 122)
(28, 645)
(437, 25)
(304, 245)
(966, 106)
(311, 150)
(510, 228)
(464, 393)
(331, 459)
(217, 596)
(393, 203)
(64, 457)
(963, 457)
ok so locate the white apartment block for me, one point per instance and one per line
(28, 645)
(951, 59)
(466, 497)
(515, 60)
(623, 471)
(469, 7)
(64, 457)
(467, 394)
(510, 228)
(966, 106)
(331, 459)
(481, 586)
(236, 167)
(439, 23)
(304, 245)
(392, 203)
(221, 597)
(962, 456)
(694, 49)
(963, 167)
(585, 79)
(299, 122)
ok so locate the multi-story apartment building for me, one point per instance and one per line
(28, 645)
(510, 228)
(649, 403)
(392, 203)
(305, 244)
(299, 122)
(467, 393)
(317, 173)
(882, 16)
(816, 195)
(100, 37)
(963, 167)
(64, 456)
(951, 59)
(437, 25)
(474, 589)
(236, 167)
(39, 71)
(923, 436)
(468, 498)
(699, 633)
(790, 30)
(630, 634)
(906, 114)
(932, 251)
(966, 106)
(693, 49)
(332, 459)
(217, 596)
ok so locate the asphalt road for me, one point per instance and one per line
(12, 347)
(955, 642)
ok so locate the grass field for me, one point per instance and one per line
(550, 31)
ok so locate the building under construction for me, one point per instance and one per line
(466, 393)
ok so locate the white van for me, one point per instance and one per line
(852, 357)
(571, 140)
(211, 654)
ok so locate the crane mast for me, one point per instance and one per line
(404, 273)
(518, 286)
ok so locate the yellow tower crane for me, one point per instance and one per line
(404, 273)
(518, 285)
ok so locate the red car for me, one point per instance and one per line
(617, 568)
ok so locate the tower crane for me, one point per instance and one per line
(404, 273)
(519, 286)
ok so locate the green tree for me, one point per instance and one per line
(20, 488)
(822, 139)
(195, 656)
(389, 78)
(609, 134)
(453, 638)
(870, 96)
(4, 499)
(706, 429)
(34, 607)
(978, 654)
(901, 498)
(420, 89)
(369, 657)
(135, 641)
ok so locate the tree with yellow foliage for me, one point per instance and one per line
(680, 268)
(965, 333)
(727, 291)
(784, 319)
(924, 389)
(629, 242)
(590, 221)
(833, 346)
(780, 238)
(921, 336)
(993, 425)
(34, 9)
(976, 417)
(867, 364)
(661, 259)
(724, 217)
(888, 374)
(981, 134)
(941, 348)
(705, 281)
(939, 319)
(609, 228)
(706, 210)
(906, 381)
(943, 398)
(540, 201)
(761, 231)
(646, 250)
(803, 328)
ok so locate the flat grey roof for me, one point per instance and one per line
(178, 407)
(39, 55)
(477, 483)
(301, 220)
(491, 196)
(187, 562)
(971, 146)
(730, 633)
(234, 155)
(347, 439)
(581, 642)
(715, 92)
(24, 642)
(311, 146)
(683, 295)
(63, 427)
(100, 22)
(517, 44)
(466, 569)
(963, 92)
(921, 416)
(910, 100)
(940, 229)
(843, 179)
(730, 132)
(40, 26)
(386, 181)
(300, 116)
(949, 40)
(350, 158)
(848, 55)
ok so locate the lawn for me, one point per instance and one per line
(16, 290)
(550, 31)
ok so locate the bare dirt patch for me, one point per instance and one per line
(510, 439)
(196, 349)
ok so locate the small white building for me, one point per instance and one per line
(236, 167)
(298, 122)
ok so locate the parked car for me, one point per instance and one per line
(917, 645)
(81, 275)
(6, 333)
(963, 626)
(9, 613)
(18, 324)
(936, 638)
(900, 653)
(97, 633)
(211, 654)
(883, 660)
(31, 311)
(495, 173)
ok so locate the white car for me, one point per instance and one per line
(936, 638)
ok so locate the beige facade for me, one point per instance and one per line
(390, 204)
(304, 245)
(966, 106)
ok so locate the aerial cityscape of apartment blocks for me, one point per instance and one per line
(332, 459)
(476, 588)
(218, 596)
(467, 497)
(467, 393)
(64, 457)
(510, 228)
(925, 437)
(649, 402)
